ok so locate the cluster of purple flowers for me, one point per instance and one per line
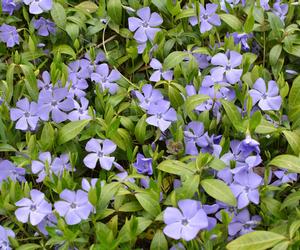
(161, 115)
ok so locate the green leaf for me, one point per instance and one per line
(30, 81)
(185, 13)
(10, 82)
(107, 193)
(249, 24)
(258, 240)
(293, 50)
(71, 130)
(289, 162)
(132, 206)
(159, 241)
(233, 115)
(219, 190)
(276, 25)
(293, 139)
(175, 97)
(275, 54)
(58, 15)
(87, 6)
(6, 148)
(47, 137)
(282, 246)
(193, 101)
(294, 101)
(149, 203)
(114, 10)
(64, 49)
(140, 129)
(29, 246)
(265, 127)
(73, 30)
(294, 227)
(176, 167)
(232, 21)
(161, 5)
(174, 59)
(292, 200)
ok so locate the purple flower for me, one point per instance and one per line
(186, 222)
(34, 210)
(267, 100)
(202, 60)
(42, 166)
(93, 63)
(38, 6)
(76, 87)
(226, 70)
(80, 112)
(86, 185)
(4, 240)
(280, 10)
(143, 165)
(44, 26)
(79, 69)
(144, 26)
(9, 170)
(150, 96)
(106, 79)
(211, 144)
(9, 35)
(234, 155)
(101, 149)
(242, 223)
(49, 221)
(26, 114)
(208, 17)
(158, 73)
(242, 39)
(249, 145)
(9, 6)
(284, 177)
(265, 4)
(74, 206)
(55, 102)
(161, 115)
(61, 164)
(245, 187)
(193, 135)
(211, 209)
(45, 84)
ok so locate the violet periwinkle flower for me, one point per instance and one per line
(206, 105)
(211, 209)
(9, 6)
(42, 166)
(26, 114)
(93, 62)
(49, 221)
(9, 35)
(55, 103)
(208, 17)
(34, 209)
(249, 145)
(226, 175)
(150, 96)
(74, 207)
(234, 155)
(250, 162)
(193, 137)
(203, 60)
(242, 223)
(161, 115)
(86, 185)
(44, 26)
(4, 240)
(143, 165)
(225, 208)
(106, 79)
(9, 170)
(284, 177)
(265, 4)
(100, 151)
(38, 6)
(144, 26)
(61, 164)
(79, 69)
(158, 73)
(76, 86)
(227, 64)
(245, 188)
(280, 10)
(185, 222)
(211, 144)
(45, 84)
(242, 39)
(266, 99)
(80, 111)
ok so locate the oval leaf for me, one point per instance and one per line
(258, 240)
(289, 162)
(71, 130)
(219, 190)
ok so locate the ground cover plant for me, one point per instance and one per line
(155, 124)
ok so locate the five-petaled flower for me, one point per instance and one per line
(186, 222)
(9, 35)
(100, 151)
(38, 6)
(34, 209)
